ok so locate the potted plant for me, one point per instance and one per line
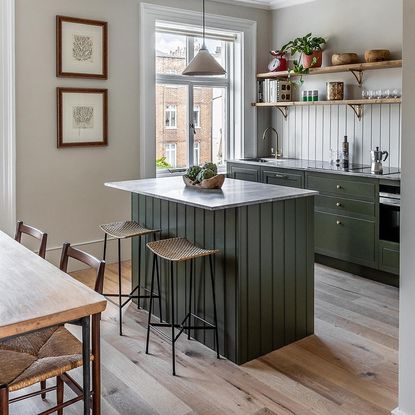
(310, 49)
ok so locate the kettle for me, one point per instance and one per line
(378, 157)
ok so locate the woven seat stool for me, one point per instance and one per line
(176, 250)
(123, 230)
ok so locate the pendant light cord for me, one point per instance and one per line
(204, 26)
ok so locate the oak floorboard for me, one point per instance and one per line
(349, 367)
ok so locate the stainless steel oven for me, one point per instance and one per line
(389, 213)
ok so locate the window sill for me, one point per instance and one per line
(165, 173)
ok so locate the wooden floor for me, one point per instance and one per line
(348, 367)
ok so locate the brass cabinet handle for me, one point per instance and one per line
(338, 222)
(338, 204)
(338, 186)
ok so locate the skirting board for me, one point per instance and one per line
(397, 411)
(95, 248)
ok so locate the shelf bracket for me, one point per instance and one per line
(359, 76)
(283, 111)
(358, 110)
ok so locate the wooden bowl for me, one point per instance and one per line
(215, 182)
(344, 58)
(377, 55)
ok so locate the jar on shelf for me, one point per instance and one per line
(335, 91)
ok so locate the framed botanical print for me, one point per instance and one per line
(82, 117)
(81, 48)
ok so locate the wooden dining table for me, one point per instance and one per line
(35, 294)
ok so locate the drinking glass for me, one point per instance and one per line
(386, 93)
(365, 94)
(396, 93)
(378, 94)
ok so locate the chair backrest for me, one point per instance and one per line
(87, 259)
(21, 228)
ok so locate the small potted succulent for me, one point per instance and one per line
(311, 53)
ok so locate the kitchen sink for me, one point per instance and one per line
(256, 160)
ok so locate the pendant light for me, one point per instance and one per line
(204, 64)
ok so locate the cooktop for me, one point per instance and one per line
(353, 168)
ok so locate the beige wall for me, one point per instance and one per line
(62, 190)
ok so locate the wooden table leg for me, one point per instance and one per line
(86, 360)
(96, 364)
(4, 400)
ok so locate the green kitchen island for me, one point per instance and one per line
(264, 273)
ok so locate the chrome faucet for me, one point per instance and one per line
(278, 155)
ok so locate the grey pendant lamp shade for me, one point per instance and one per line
(204, 63)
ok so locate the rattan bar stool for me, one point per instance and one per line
(176, 250)
(124, 230)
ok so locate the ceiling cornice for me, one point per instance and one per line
(280, 4)
(265, 4)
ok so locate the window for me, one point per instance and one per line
(170, 116)
(196, 116)
(170, 154)
(196, 153)
(184, 99)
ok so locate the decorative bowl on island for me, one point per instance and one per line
(205, 177)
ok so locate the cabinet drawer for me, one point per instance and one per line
(340, 187)
(283, 177)
(346, 238)
(342, 206)
(248, 173)
(389, 256)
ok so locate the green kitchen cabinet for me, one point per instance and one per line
(346, 238)
(282, 177)
(249, 173)
(389, 256)
(346, 217)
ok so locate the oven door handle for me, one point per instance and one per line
(390, 202)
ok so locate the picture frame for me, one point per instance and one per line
(81, 48)
(82, 117)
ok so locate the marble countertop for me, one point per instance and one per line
(234, 193)
(318, 166)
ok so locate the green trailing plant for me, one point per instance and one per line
(305, 45)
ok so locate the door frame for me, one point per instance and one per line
(7, 117)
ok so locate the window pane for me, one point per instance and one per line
(211, 135)
(216, 47)
(171, 126)
(170, 53)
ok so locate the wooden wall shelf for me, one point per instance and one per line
(355, 104)
(357, 69)
(342, 102)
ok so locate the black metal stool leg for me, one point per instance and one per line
(172, 319)
(215, 316)
(190, 297)
(139, 273)
(159, 290)
(119, 285)
(105, 246)
(151, 302)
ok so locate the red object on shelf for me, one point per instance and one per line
(279, 63)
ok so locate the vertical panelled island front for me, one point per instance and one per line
(264, 273)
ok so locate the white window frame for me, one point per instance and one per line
(196, 150)
(169, 109)
(196, 108)
(169, 149)
(7, 118)
(242, 117)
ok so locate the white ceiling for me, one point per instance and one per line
(267, 4)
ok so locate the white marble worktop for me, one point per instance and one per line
(234, 193)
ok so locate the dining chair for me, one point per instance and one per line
(22, 228)
(47, 353)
